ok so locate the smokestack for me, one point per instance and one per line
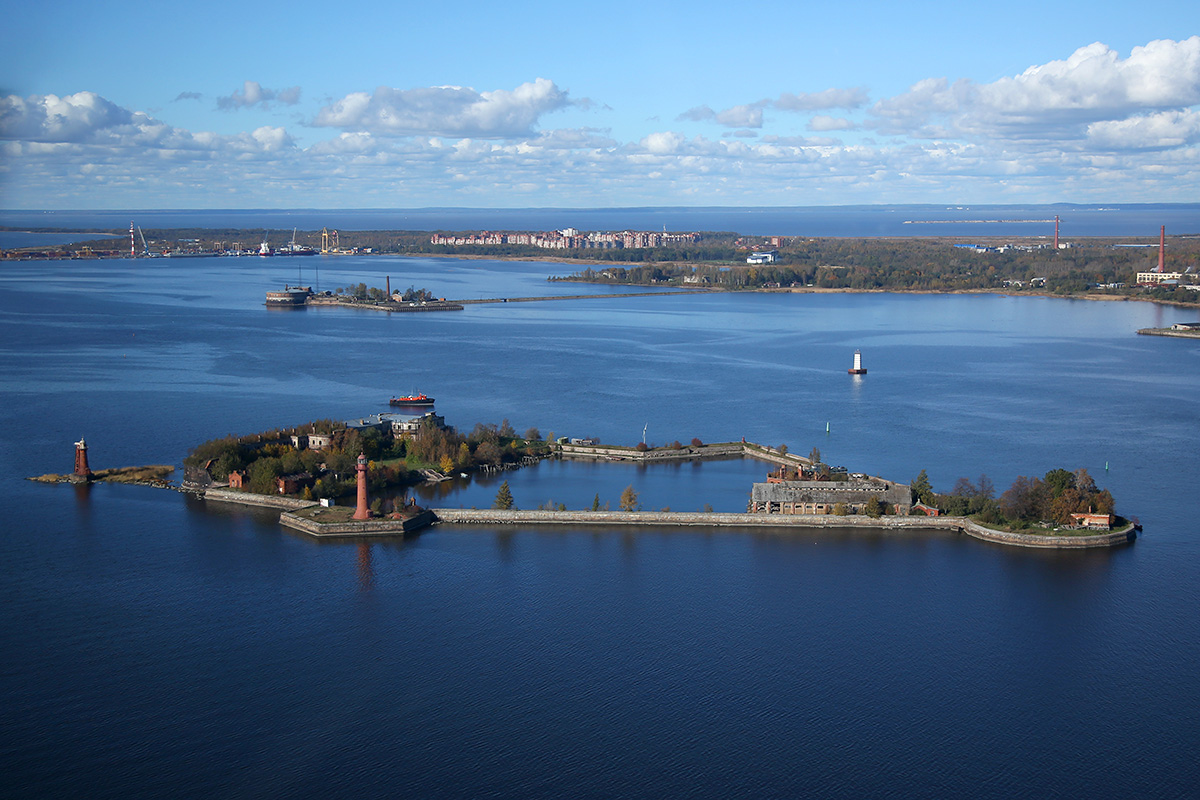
(1056, 231)
(389, 286)
(1162, 248)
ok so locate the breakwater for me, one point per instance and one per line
(251, 499)
(1179, 334)
(599, 452)
(686, 519)
(782, 522)
(369, 527)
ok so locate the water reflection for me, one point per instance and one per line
(83, 496)
(366, 572)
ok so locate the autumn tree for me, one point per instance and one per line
(629, 499)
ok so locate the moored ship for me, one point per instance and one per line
(411, 400)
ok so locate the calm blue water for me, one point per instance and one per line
(155, 645)
(1126, 219)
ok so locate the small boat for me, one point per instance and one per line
(411, 400)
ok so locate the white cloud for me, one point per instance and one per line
(662, 143)
(452, 111)
(822, 122)
(819, 101)
(1092, 126)
(1162, 129)
(85, 121)
(50, 118)
(749, 115)
(1058, 100)
(253, 93)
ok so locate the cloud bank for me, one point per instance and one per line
(446, 111)
(1093, 126)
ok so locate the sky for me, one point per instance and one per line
(576, 105)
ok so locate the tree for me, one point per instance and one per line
(873, 508)
(488, 453)
(783, 449)
(263, 473)
(964, 488)
(986, 489)
(629, 499)
(533, 435)
(814, 455)
(506, 430)
(596, 502)
(922, 489)
(696, 442)
(504, 498)
(1058, 481)
(1022, 498)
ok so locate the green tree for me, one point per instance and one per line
(504, 498)
(263, 473)
(873, 508)
(596, 502)
(629, 499)
(922, 489)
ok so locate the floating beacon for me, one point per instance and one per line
(857, 369)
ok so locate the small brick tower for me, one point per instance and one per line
(82, 471)
(362, 512)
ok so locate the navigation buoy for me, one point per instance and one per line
(857, 369)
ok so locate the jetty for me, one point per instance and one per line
(1181, 330)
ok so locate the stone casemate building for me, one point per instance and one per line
(822, 496)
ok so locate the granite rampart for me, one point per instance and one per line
(686, 453)
(370, 527)
(251, 499)
(460, 516)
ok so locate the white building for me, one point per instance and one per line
(763, 257)
(1154, 278)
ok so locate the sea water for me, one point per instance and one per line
(157, 645)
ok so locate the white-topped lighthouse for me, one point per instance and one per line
(857, 369)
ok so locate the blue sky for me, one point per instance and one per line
(381, 105)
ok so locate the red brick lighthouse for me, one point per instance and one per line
(362, 512)
(82, 471)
